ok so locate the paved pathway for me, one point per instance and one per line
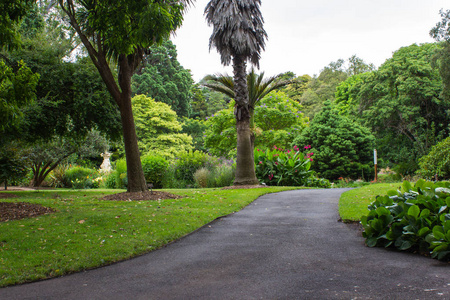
(288, 245)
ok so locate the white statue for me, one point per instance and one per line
(106, 164)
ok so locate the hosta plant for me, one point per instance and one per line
(413, 218)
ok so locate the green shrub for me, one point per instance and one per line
(120, 174)
(154, 168)
(415, 218)
(222, 175)
(187, 163)
(170, 181)
(342, 147)
(57, 177)
(437, 162)
(110, 181)
(81, 178)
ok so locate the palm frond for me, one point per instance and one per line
(258, 86)
(237, 29)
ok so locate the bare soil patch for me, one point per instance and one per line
(141, 196)
(20, 210)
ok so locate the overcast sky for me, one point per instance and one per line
(306, 35)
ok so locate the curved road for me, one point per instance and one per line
(288, 245)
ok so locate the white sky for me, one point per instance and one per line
(306, 35)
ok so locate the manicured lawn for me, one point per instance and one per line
(353, 204)
(87, 232)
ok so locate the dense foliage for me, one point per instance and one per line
(278, 120)
(17, 89)
(415, 218)
(154, 169)
(436, 164)
(283, 167)
(162, 78)
(401, 103)
(158, 129)
(341, 147)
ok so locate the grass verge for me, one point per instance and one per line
(353, 204)
(86, 232)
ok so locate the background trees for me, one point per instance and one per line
(278, 120)
(123, 31)
(401, 103)
(162, 78)
(157, 127)
(70, 100)
(17, 89)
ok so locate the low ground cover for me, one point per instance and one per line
(87, 232)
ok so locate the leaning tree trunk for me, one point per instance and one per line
(245, 165)
(135, 174)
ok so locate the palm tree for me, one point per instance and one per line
(258, 87)
(239, 36)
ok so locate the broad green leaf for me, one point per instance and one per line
(425, 213)
(423, 231)
(381, 211)
(372, 242)
(414, 211)
(438, 232)
(406, 186)
(392, 193)
(443, 254)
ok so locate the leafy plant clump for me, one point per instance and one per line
(286, 168)
(154, 168)
(81, 178)
(437, 162)
(413, 218)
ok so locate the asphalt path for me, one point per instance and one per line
(287, 245)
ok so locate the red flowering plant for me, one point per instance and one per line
(284, 167)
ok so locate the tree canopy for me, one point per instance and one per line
(401, 103)
(123, 31)
(162, 78)
(158, 129)
(278, 120)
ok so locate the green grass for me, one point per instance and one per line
(86, 232)
(353, 204)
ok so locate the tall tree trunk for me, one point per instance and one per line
(245, 165)
(136, 178)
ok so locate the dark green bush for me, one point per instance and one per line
(81, 178)
(415, 218)
(120, 174)
(187, 163)
(110, 181)
(154, 168)
(437, 162)
(341, 147)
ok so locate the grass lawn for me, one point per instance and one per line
(86, 232)
(353, 204)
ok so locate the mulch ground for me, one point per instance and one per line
(244, 187)
(140, 196)
(20, 210)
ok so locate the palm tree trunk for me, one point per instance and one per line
(245, 165)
